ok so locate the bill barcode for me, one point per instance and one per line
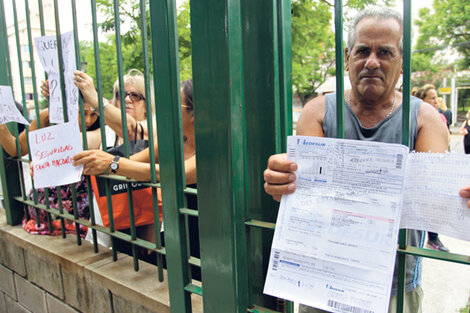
(276, 260)
(346, 307)
(399, 160)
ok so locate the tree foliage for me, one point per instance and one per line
(313, 41)
(313, 53)
(448, 25)
(131, 42)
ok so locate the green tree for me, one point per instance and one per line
(312, 46)
(131, 38)
(313, 42)
(447, 25)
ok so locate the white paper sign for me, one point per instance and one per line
(71, 91)
(8, 110)
(46, 48)
(52, 149)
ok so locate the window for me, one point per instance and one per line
(25, 48)
(26, 65)
(29, 96)
(28, 81)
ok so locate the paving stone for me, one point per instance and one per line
(30, 296)
(7, 283)
(11, 255)
(14, 307)
(3, 304)
(75, 289)
(55, 305)
(99, 296)
(45, 273)
(122, 305)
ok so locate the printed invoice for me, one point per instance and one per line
(332, 248)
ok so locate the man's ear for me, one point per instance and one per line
(346, 59)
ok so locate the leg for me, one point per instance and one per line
(435, 243)
(413, 302)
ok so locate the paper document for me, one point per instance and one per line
(46, 48)
(431, 198)
(335, 240)
(52, 150)
(8, 110)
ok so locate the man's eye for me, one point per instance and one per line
(385, 52)
(362, 51)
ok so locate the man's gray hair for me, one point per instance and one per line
(380, 13)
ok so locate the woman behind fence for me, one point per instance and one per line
(134, 100)
(30, 221)
(137, 166)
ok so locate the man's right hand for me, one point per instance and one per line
(279, 177)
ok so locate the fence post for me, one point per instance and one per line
(9, 170)
(267, 60)
(220, 147)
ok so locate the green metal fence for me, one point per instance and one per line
(241, 56)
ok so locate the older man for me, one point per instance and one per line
(373, 58)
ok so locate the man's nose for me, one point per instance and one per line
(372, 62)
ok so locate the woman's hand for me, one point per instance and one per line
(45, 88)
(94, 161)
(85, 83)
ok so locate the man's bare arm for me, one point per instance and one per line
(432, 132)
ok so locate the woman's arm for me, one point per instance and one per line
(97, 162)
(8, 141)
(463, 130)
(112, 115)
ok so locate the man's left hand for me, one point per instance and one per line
(465, 193)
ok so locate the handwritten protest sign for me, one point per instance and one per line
(46, 48)
(8, 110)
(52, 149)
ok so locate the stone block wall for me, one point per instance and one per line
(45, 274)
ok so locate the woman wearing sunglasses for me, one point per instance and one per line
(134, 100)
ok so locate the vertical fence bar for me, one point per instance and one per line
(267, 66)
(149, 108)
(219, 113)
(168, 113)
(96, 49)
(66, 118)
(285, 67)
(403, 234)
(122, 98)
(36, 105)
(9, 172)
(339, 52)
(23, 95)
(285, 79)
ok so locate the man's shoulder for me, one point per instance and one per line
(315, 102)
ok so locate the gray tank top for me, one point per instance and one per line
(388, 130)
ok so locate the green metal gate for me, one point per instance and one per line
(241, 56)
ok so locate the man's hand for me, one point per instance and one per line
(279, 177)
(465, 193)
(94, 161)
